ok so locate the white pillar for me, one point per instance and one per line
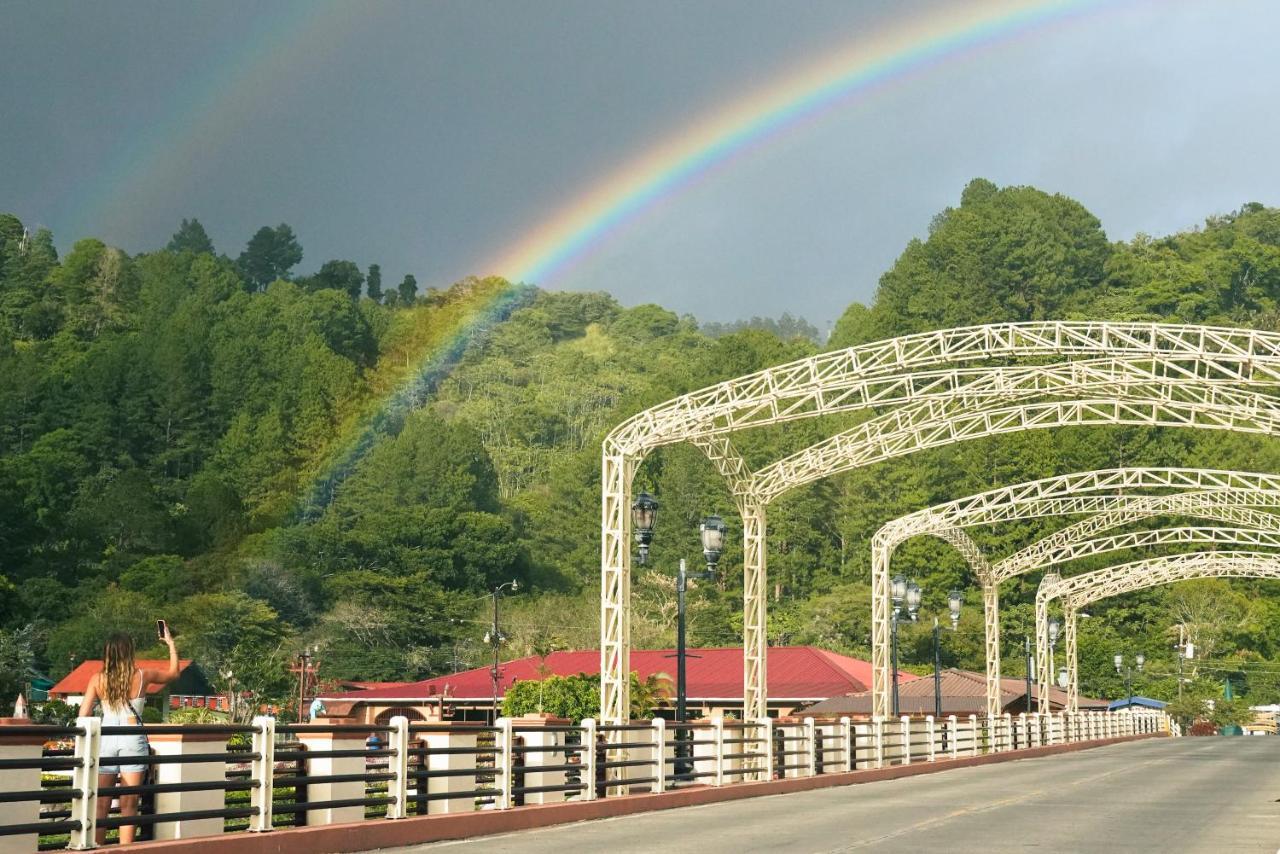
(543, 746)
(659, 736)
(850, 740)
(262, 772)
(877, 734)
(318, 741)
(587, 757)
(811, 742)
(439, 762)
(398, 764)
(973, 731)
(85, 778)
(954, 727)
(904, 730)
(166, 741)
(504, 762)
(932, 736)
(21, 748)
(764, 731)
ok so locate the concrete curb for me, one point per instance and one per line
(370, 835)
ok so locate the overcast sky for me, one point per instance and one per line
(428, 136)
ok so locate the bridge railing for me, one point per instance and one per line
(268, 777)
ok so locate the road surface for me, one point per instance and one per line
(1190, 794)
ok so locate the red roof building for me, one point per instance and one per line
(797, 675)
(191, 688)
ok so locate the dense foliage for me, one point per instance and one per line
(187, 435)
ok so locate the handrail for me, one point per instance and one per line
(425, 767)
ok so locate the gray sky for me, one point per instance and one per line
(428, 136)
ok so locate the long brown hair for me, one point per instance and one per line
(117, 670)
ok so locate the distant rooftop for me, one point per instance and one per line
(795, 673)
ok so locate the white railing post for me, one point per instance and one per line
(850, 744)
(85, 778)
(973, 730)
(587, 759)
(811, 739)
(398, 761)
(504, 762)
(877, 736)
(659, 754)
(717, 747)
(1008, 731)
(931, 734)
(954, 726)
(904, 726)
(765, 724)
(262, 772)
(1024, 731)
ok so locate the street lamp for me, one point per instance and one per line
(495, 638)
(643, 511)
(1054, 628)
(712, 533)
(898, 593)
(954, 599)
(1062, 677)
(1121, 667)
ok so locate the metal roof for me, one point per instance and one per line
(796, 673)
(963, 692)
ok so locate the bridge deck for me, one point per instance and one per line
(1189, 794)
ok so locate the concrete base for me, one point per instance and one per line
(368, 835)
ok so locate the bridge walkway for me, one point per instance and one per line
(1186, 795)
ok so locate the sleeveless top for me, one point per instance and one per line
(129, 714)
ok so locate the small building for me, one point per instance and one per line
(191, 688)
(964, 692)
(1136, 702)
(797, 676)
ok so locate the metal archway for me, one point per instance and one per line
(1079, 590)
(1189, 370)
(1111, 493)
(1231, 537)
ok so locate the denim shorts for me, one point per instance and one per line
(114, 746)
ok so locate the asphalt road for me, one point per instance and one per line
(1190, 794)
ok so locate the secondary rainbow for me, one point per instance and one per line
(875, 59)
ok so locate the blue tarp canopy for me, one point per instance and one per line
(1143, 702)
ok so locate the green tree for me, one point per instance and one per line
(408, 290)
(270, 254)
(190, 237)
(374, 286)
(337, 275)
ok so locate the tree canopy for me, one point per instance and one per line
(232, 447)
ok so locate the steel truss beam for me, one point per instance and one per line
(1118, 373)
(1080, 590)
(1228, 495)
(1238, 537)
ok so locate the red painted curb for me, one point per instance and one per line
(369, 835)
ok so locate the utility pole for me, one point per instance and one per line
(494, 638)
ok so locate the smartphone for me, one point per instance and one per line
(162, 629)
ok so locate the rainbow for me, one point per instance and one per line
(888, 56)
(878, 59)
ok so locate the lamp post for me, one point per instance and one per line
(495, 639)
(954, 599)
(902, 592)
(1121, 667)
(644, 511)
(1054, 628)
(1027, 643)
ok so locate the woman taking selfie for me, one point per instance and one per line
(121, 688)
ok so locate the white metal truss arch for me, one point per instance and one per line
(1076, 493)
(1185, 535)
(1138, 373)
(817, 384)
(1080, 590)
(1227, 506)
